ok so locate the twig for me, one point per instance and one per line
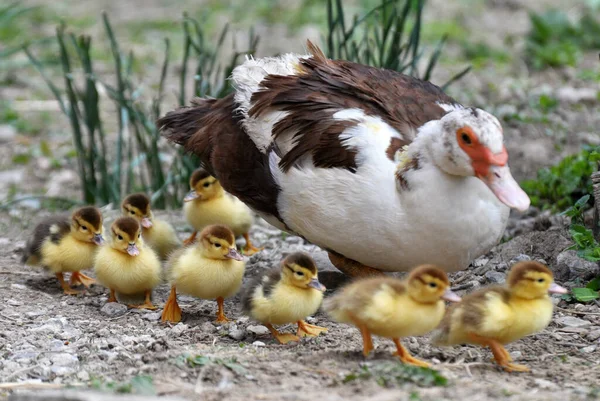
(569, 344)
(36, 385)
(18, 372)
(20, 273)
(577, 312)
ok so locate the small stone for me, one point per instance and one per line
(5, 242)
(17, 286)
(258, 330)
(589, 349)
(516, 355)
(63, 359)
(479, 262)
(113, 309)
(495, 277)
(179, 328)
(83, 375)
(571, 321)
(7, 133)
(593, 335)
(237, 334)
(62, 370)
(569, 265)
(545, 384)
(13, 302)
(207, 327)
(259, 344)
(153, 316)
(576, 95)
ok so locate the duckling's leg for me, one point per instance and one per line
(112, 297)
(308, 330)
(190, 239)
(221, 318)
(351, 267)
(406, 357)
(500, 353)
(172, 311)
(283, 338)
(147, 303)
(250, 249)
(78, 278)
(366, 336)
(67, 290)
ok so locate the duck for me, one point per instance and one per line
(212, 269)
(157, 234)
(392, 308)
(305, 141)
(286, 294)
(498, 315)
(207, 203)
(125, 265)
(64, 244)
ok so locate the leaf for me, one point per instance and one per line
(198, 360)
(594, 284)
(21, 158)
(585, 294)
(143, 385)
(45, 148)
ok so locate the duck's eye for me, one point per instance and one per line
(120, 237)
(132, 212)
(217, 245)
(84, 228)
(140, 235)
(432, 285)
(206, 184)
(300, 274)
(466, 138)
(541, 280)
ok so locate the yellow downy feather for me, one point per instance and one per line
(161, 237)
(69, 255)
(286, 304)
(226, 210)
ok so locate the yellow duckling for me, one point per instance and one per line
(207, 203)
(393, 308)
(498, 315)
(287, 294)
(157, 234)
(125, 265)
(212, 269)
(64, 245)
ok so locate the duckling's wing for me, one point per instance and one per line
(487, 312)
(53, 228)
(266, 282)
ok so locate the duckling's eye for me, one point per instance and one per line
(217, 245)
(140, 235)
(300, 274)
(432, 285)
(466, 138)
(541, 280)
(132, 212)
(84, 228)
(206, 184)
(120, 237)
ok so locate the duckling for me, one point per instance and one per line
(207, 203)
(62, 244)
(498, 315)
(287, 294)
(125, 265)
(212, 269)
(157, 234)
(392, 308)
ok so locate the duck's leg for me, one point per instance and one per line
(406, 357)
(190, 239)
(67, 290)
(308, 330)
(351, 267)
(171, 311)
(147, 303)
(221, 318)
(283, 338)
(112, 297)
(78, 278)
(250, 249)
(501, 355)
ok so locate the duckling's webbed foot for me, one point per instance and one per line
(308, 330)
(406, 357)
(78, 278)
(171, 310)
(112, 297)
(67, 290)
(282, 338)
(351, 267)
(190, 240)
(501, 355)
(221, 318)
(250, 249)
(147, 303)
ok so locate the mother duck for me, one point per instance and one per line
(383, 171)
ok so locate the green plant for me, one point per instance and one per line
(229, 363)
(389, 373)
(388, 36)
(142, 385)
(110, 166)
(560, 186)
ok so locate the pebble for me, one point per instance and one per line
(519, 258)
(63, 359)
(571, 321)
(237, 334)
(83, 375)
(589, 349)
(593, 335)
(259, 344)
(153, 316)
(207, 327)
(575, 95)
(545, 384)
(258, 330)
(495, 277)
(179, 328)
(569, 265)
(113, 309)
(7, 133)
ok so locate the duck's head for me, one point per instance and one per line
(218, 242)
(300, 270)
(86, 225)
(532, 280)
(203, 186)
(429, 284)
(138, 207)
(126, 236)
(472, 144)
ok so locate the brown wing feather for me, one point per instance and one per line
(53, 228)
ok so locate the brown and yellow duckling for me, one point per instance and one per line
(207, 203)
(498, 315)
(392, 308)
(287, 294)
(213, 269)
(157, 234)
(125, 265)
(62, 244)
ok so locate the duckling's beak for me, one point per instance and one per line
(316, 284)
(133, 250)
(450, 296)
(234, 254)
(557, 289)
(98, 240)
(146, 222)
(503, 185)
(191, 196)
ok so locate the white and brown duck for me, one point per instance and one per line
(382, 170)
